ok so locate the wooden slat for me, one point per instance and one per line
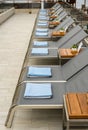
(69, 53)
(54, 23)
(62, 52)
(82, 98)
(74, 105)
(68, 106)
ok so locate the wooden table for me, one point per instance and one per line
(65, 55)
(75, 112)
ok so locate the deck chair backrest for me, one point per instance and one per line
(56, 6)
(74, 40)
(62, 16)
(78, 83)
(66, 23)
(58, 11)
(69, 35)
(75, 64)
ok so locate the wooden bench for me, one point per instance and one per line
(75, 111)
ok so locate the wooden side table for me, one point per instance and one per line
(65, 55)
(75, 111)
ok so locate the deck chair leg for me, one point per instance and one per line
(67, 125)
(10, 116)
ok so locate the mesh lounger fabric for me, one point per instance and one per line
(57, 92)
(64, 72)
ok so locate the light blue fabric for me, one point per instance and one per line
(34, 90)
(39, 51)
(42, 13)
(43, 10)
(42, 24)
(42, 29)
(43, 18)
(40, 43)
(39, 72)
(41, 33)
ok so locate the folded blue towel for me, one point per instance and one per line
(42, 13)
(42, 24)
(43, 18)
(43, 10)
(34, 90)
(41, 33)
(42, 29)
(40, 43)
(39, 51)
(39, 72)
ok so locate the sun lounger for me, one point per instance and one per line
(64, 72)
(78, 83)
(55, 70)
(42, 52)
(21, 103)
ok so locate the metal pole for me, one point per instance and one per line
(42, 4)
